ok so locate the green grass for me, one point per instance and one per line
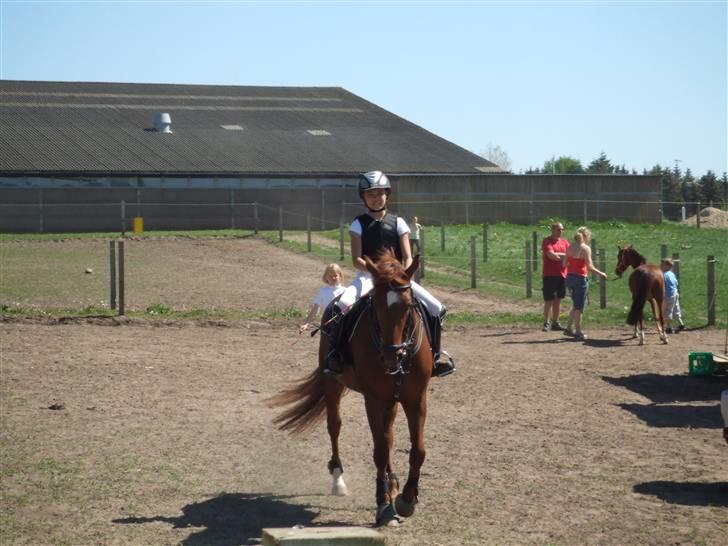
(503, 275)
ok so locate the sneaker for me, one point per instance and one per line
(580, 336)
(569, 332)
(546, 326)
(668, 330)
(556, 326)
(681, 327)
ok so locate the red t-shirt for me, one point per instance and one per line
(553, 268)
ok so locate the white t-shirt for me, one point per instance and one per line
(402, 227)
(326, 294)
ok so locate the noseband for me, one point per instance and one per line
(413, 335)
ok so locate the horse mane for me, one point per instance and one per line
(390, 270)
(639, 256)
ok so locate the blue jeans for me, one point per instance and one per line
(578, 288)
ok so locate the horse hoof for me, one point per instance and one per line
(386, 516)
(404, 508)
(339, 487)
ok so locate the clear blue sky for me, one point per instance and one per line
(645, 82)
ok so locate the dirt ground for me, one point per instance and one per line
(136, 432)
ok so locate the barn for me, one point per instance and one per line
(78, 156)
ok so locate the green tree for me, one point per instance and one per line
(709, 189)
(724, 187)
(563, 165)
(601, 165)
(671, 194)
(688, 190)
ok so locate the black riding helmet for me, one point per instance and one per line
(374, 180)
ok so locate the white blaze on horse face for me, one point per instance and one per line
(392, 298)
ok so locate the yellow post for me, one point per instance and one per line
(138, 224)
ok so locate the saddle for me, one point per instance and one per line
(352, 318)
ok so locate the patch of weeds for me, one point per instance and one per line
(158, 309)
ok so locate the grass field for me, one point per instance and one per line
(503, 275)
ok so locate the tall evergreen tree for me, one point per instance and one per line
(709, 189)
(724, 188)
(601, 165)
(688, 189)
(671, 194)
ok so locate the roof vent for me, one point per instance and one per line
(162, 122)
(318, 132)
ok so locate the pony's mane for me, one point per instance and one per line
(389, 269)
(629, 250)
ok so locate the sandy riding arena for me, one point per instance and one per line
(150, 432)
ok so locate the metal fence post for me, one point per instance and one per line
(711, 290)
(603, 281)
(528, 270)
(473, 259)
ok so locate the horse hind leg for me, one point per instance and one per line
(659, 321)
(333, 424)
(641, 333)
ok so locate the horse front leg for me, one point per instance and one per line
(416, 415)
(641, 333)
(334, 391)
(380, 418)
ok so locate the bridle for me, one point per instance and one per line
(413, 335)
(637, 260)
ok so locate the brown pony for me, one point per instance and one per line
(646, 283)
(392, 365)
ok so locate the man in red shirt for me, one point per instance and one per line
(553, 249)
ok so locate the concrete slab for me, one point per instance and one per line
(322, 536)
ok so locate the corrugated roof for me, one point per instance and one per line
(66, 127)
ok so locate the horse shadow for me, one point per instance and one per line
(686, 493)
(674, 416)
(234, 518)
(664, 389)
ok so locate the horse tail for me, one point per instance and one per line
(639, 297)
(308, 397)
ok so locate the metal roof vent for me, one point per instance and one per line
(162, 122)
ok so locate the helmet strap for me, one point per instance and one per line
(377, 210)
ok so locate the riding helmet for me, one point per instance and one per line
(374, 180)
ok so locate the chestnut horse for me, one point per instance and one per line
(391, 365)
(646, 283)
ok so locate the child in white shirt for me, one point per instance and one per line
(332, 277)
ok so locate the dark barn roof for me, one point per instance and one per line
(107, 129)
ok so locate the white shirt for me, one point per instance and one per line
(402, 227)
(326, 294)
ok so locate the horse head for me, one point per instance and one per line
(628, 256)
(393, 308)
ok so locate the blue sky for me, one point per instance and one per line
(645, 82)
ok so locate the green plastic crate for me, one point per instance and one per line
(700, 363)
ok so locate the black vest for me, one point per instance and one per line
(377, 235)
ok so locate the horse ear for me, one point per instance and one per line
(371, 267)
(413, 266)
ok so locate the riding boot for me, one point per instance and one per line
(334, 361)
(443, 362)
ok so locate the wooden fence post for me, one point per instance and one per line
(676, 265)
(534, 237)
(603, 281)
(255, 218)
(593, 244)
(485, 242)
(711, 290)
(697, 217)
(121, 277)
(529, 292)
(473, 258)
(123, 218)
(442, 237)
(280, 224)
(308, 232)
(112, 275)
(341, 240)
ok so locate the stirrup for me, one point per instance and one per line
(444, 367)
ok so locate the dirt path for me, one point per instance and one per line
(161, 434)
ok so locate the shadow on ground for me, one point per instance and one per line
(663, 389)
(674, 416)
(234, 518)
(686, 493)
